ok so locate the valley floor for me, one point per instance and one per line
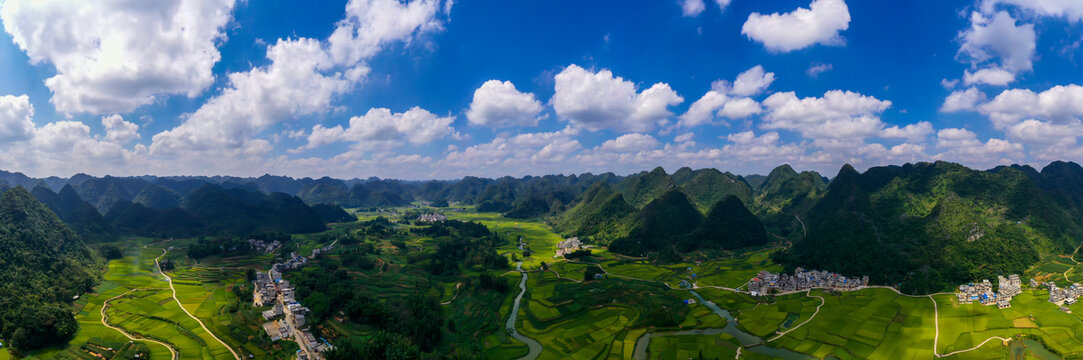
(575, 316)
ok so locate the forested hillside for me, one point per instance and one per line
(42, 266)
(931, 225)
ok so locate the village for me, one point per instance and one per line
(766, 283)
(286, 318)
(1009, 287)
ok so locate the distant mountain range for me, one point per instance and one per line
(925, 226)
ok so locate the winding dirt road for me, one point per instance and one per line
(105, 305)
(170, 280)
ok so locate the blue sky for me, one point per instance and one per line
(432, 89)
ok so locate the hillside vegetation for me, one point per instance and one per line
(42, 266)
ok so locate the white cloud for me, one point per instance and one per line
(752, 82)
(692, 8)
(818, 68)
(16, 114)
(717, 101)
(703, 110)
(996, 46)
(303, 78)
(58, 148)
(684, 138)
(292, 85)
(838, 114)
(381, 128)
(371, 24)
(599, 100)
(801, 28)
(1068, 9)
(764, 148)
(498, 104)
(517, 155)
(963, 100)
(963, 145)
(949, 84)
(115, 56)
(1061, 104)
(119, 131)
(739, 108)
(630, 143)
(989, 76)
(912, 132)
(1043, 132)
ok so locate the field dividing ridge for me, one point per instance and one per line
(170, 280)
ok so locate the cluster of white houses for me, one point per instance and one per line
(434, 217)
(983, 293)
(568, 246)
(767, 282)
(264, 246)
(286, 317)
(1064, 296)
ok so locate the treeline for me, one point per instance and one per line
(43, 266)
(418, 317)
(463, 244)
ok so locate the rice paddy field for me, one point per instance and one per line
(573, 317)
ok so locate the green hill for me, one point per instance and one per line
(42, 266)
(729, 225)
(80, 216)
(157, 197)
(707, 187)
(600, 214)
(660, 225)
(930, 226)
(642, 188)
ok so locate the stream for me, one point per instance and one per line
(749, 342)
(534, 345)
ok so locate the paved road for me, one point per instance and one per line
(170, 280)
(105, 305)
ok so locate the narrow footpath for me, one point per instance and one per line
(170, 280)
(105, 305)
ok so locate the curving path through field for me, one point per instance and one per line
(170, 280)
(457, 286)
(105, 305)
(808, 294)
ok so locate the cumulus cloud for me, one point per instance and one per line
(115, 56)
(963, 145)
(718, 102)
(303, 78)
(119, 131)
(1061, 104)
(752, 82)
(801, 28)
(600, 100)
(498, 104)
(838, 114)
(692, 8)
(962, 100)
(16, 114)
(371, 24)
(62, 147)
(1070, 10)
(630, 142)
(912, 132)
(381, 127)
(989, 76)
(997, 47)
